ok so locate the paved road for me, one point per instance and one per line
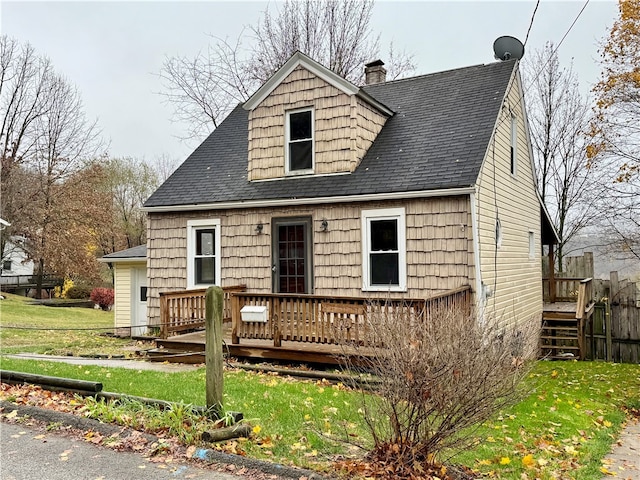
(27, 453)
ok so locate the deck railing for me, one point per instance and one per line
(330, 319)
(185, 310)
(560, 289)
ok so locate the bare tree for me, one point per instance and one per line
(24, 97)
(46, 138)
(336, 33)
(128, 182)
(615, 129)
(558, 118)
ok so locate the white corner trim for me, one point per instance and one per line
(476, 250)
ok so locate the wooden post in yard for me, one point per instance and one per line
(614, 297)
(213, 349)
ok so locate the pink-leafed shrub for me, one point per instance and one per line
(102, 297)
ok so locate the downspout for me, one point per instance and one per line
(476, 256)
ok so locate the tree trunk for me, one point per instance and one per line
(39, 278)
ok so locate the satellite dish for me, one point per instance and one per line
(507, 48)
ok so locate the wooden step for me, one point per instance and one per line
(175, 356)
(560, 347)
(548, 337)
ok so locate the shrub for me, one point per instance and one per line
(102, 297)
(62, 291)
(79, 292)
(437, 376)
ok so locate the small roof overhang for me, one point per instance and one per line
(548, 233)
(130, 255)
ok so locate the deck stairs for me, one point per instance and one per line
(561, 336)
(566, 313)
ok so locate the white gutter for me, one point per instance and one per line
(476, 253)
(285, 202)
(123, 260)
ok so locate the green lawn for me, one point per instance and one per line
(55, 330)
(561, 430)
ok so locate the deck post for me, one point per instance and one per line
(235, 318)
(213, 350)
(164, 317)
(552, 275)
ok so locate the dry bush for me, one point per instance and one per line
(436, 376)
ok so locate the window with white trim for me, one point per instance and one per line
(384, 264)
(203, 253)
(299, 142)
(514, 145)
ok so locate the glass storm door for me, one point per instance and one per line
(292, 255)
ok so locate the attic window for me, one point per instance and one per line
(299, 142)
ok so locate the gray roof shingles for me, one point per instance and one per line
(133, 253)
(436, 139)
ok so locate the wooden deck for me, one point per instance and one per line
(559, 307)
(289, 327)
(189, 348)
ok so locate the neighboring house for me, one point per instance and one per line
(14, 258)
(403, 189)
(16, 270)
(130, 289)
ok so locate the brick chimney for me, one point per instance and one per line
(374, 72)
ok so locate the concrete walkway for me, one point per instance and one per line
(110, 362)
(624, 459)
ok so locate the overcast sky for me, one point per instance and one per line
(113, 51)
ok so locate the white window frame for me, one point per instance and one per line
(384, 214)
(287, 165)
(513, 153)
(192, 227)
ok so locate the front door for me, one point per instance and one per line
(292, 269)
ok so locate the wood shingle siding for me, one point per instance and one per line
(439, 255)
(344, 127)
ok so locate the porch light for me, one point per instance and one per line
(324, 226)
(259, 228)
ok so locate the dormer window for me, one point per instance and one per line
(299, 142)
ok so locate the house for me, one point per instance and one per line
(130, 288)
(16, 269)
(400, 189)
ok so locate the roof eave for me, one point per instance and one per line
(329, 76)
(280, 202)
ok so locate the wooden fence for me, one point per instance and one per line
(329, 319)
(614, 333)
(185, 310)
